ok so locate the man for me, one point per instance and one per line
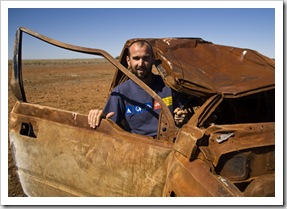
(130, 106)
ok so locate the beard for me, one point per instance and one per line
(141, 72)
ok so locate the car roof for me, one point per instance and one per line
(199, 67)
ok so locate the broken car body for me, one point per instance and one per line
(227, 148)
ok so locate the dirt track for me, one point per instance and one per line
(75, 85)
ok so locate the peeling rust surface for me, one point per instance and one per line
(79, 162)
(200, 67)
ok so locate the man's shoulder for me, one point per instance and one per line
(158, 82)
(125, 86)
(158, 78)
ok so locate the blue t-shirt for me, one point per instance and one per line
(136, 111)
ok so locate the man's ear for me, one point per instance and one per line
(153, 60)
(128, 61)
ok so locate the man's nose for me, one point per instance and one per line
(141, 62)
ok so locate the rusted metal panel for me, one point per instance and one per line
(261, 187)
(64, 160)
(194, 179)
(202, 68)
(243, 136)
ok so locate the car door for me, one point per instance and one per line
(58, 154)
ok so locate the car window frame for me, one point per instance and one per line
(167, 129)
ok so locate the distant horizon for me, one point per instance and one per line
(65, 59)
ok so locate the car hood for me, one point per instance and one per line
(199, 67)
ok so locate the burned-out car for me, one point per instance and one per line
(227, 148)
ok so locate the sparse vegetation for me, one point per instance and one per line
(61, 61)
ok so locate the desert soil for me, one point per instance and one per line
(74, 85)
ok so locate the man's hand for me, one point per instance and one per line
(95, 116)
(181, 116)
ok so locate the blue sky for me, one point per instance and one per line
(109, 28)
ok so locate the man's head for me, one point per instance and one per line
(140, 59)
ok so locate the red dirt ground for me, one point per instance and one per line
(77, 85)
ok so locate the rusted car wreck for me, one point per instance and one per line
(227, 148)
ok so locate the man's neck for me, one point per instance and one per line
(148, 80)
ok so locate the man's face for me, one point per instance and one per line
(140, 60)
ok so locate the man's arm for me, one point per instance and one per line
(95, 116)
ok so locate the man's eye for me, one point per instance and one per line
(139, 58)
(136, 58)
